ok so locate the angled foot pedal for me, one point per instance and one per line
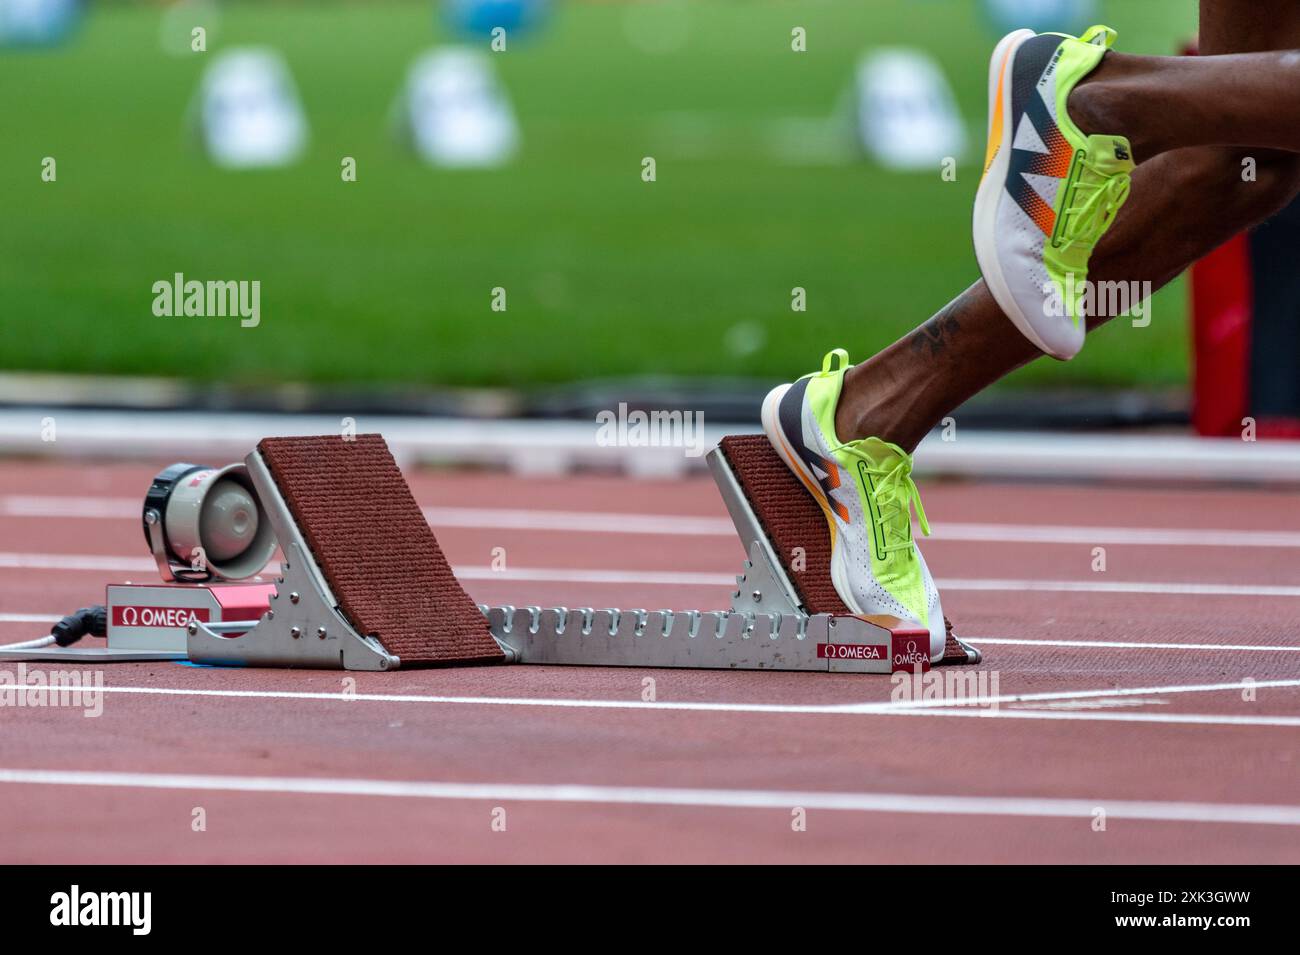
(365, 585)
(776, 518)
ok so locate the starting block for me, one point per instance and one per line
(364, 585)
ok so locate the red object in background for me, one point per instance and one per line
(1221, 297)
(1277, 428)
(1244, 363)
(1221, 304)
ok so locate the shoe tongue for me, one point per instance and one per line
(881, 452)
(1100, 35)
(1110, 154)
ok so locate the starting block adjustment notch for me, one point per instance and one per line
(709, 640)
(714, 639)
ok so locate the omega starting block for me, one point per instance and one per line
(364, 585)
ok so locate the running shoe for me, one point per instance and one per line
(866, 491)
(1049, 192)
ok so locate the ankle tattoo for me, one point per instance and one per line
(938, 331)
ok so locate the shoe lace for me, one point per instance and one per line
(1102, 194)
(894, 493)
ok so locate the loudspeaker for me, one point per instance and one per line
(205, 523)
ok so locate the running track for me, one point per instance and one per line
(1164, 691)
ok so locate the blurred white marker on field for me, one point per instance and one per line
(744, 339)
(454, 111)
(907, 116)
(249, 112)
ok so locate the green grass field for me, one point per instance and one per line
(389, 278)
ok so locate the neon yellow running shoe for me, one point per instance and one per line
(1049, 192)
(866, 491)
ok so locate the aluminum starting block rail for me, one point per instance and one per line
(767, 628)
(710, 640)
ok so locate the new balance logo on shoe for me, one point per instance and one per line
(1051, 67)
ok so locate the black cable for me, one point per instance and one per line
(87, 620)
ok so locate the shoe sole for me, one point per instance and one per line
(992, 185)
(772, 428)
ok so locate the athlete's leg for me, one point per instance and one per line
(1183, 204)
(1170, 102)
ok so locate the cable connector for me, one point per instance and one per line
(87, 620)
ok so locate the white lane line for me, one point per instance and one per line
(584, 522)
(983, 707)
(20, 561)
(1101, 704)
(660, 578)
(1109, 692)
(1128, 645)
(10, 560)
(1082, 534)
(1175, 588)
(1171, 719)
(1073, 808)
(71, 506)
(582, 575)
(579, 522)
(610, 522)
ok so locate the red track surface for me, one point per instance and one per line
(1100, 748)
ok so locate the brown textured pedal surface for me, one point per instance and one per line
(376, 550)
(792, 519)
